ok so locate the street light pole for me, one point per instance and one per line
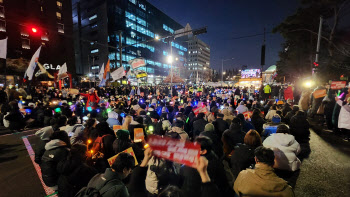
(171, 68)
(222, 68)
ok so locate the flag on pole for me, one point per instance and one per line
(63, 69)
(3, 48)
(100, 75)
(32, 64)
(119, 73)
(107, 69)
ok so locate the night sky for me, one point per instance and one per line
(229, 19)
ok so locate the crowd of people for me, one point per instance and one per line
(248, 138)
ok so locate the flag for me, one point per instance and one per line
(128, 73)
(137, 62)
(3, 48)
(32, 64)
(100, 75)
(119, 73)
(63, 69)
(107, 69)
(184, 31)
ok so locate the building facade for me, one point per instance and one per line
(29, 24)
(98, 24)
(198, 60)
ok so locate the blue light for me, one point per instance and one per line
(28, 111)
(89, 109)
(98, 110)
(122, 115)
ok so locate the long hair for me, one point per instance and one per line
(127, 122)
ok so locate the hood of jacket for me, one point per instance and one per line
(113, 114)
(281, 139)
(56, 143)
(45, 133)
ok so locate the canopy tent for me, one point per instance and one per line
(176, 79)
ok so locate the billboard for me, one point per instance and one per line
(250, 73)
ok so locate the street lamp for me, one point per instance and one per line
(170, 59)
(157, 37)
(222, 67)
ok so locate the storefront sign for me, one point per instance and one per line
(51, 67)
(179, 151)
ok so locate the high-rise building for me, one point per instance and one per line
(198, 60)
(29, 24)
(98, 23)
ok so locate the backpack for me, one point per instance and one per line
(100, 191)
(97, 148)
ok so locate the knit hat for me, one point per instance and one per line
(276, 118)
(122, 134)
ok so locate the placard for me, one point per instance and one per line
(337, 85)
(247, 114)
(320, 93)
(179, 151)
(138, 135)
(117, 127)
(129, 150)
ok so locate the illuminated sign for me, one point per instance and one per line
(250, 73)
(141, 75)
(51, 67)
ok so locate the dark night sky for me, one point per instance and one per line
(229, 19)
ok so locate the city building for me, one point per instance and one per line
(30, 24)
(198, 60)
(97, 28)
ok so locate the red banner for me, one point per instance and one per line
(179, 151)
(336, 85)
(247, 114)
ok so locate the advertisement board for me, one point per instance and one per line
(250, 73)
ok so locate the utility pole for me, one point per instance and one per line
(263, 53)
(120, 48)
(318, 46)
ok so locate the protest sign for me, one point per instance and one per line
(247, 114)
(129, 150)
(179, 151)
(138, 135)
(200, 109)
(336, 85)
(320, 93)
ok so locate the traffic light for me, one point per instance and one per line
(315, 64)
(34, 30)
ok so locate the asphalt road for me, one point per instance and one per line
(324, 172)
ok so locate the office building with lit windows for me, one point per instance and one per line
(29, 24)
(97, 25)
(198, 60)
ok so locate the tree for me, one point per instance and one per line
(300, 32)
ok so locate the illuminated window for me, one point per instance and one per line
(133, 34)
(59, 5)
(150, 70)
(25, 43)
(130, 16)
(94, 67)
(133, 1)
(130, 24)
(60, 28)
(141, 21)
(45, 37)
(59, 16)
(181, 53)
(171, 30)
(165, 27)
(92, 17)
(165, 53)
(93, 25)
(94, 51)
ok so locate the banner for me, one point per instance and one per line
(337, 85)
(119, 73)
(139, 136)
(3, 48)
(32, 64)
(179, 151)
(62, 73)
(129, 150)
(100, 75)
(201, 109)
(137, 62)
(141, 75)
(320, 93)
(107, 69)
(247, 114)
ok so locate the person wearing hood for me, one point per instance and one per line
(286, 149)
(112, 119)
(232, 136)
(56, 150)
(178, 127)
(15, 117)
(257, 120)
(92, 99)
(262, 181)
(163, 125)
(198, 125)
(246, 126)
(290, 114)
(74, 172)
(271, 113)
(44, 134)
(228, 115)
(220, 124)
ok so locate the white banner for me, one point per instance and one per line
(137, 62)
(3, 48)
(119, 73)
(100, 75)
(32, 64)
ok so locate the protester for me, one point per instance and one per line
(300, 127)
(344, 117)
(262, 181)
(271, 113)
(220, 125)
(257, 120)
(198, 125)
(241, 108)
(232, 136)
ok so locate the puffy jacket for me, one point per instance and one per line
(220, 126)
(198, 127)
(44, 135)
(299, 127)
(181, 132)
(56, 151)
(16, 120)
(233, 136)
(286, 149)
(261, 181)
(344, 116)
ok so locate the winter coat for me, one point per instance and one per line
(300, 128)
(274, 91)
(261, 181)
(76, 133)
(288, 93)
(289, 116)
(74, 175)
(181, 132)
(198, 127)
(267, 89)
(44, 135)
(246, 126)
(16, 120)
(241, 109)
(304, 101)
(286, 149)
(258, 124)
(242, 158)
(109, 179)
(151, 178)
(233, 136)
(344, 116)
(220, 126)
(217, 144)
(91, 98)
(56, 151)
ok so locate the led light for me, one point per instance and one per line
(146, 146)
(89, 141)
(150, 128)
(58, 110)
(89, 109)
(122, 115)
(28, 111)
(70, 103)
(109, 110)
(91, 151)
(98, 110)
